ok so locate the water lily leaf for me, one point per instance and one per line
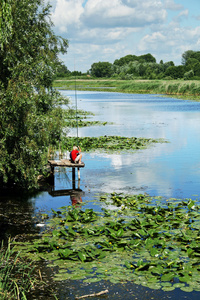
(154, 286)
(187, 289)
(82, 256)
(120, 232)
(65, 253)
(71, 231)
(166, 284)
(179, 285)
(149, 243)
(168, 288)
(185, 278)
(154, 252)
(55, 233)
(167, 277)
(190, 252)
(191, 204)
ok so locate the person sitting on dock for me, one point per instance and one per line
(76, 155)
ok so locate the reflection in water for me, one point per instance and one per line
(171, 169)
(75, 194)
(76, 198)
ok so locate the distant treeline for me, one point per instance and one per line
(143, 66)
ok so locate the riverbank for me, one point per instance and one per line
(184, 89)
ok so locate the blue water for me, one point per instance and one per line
(167, 169)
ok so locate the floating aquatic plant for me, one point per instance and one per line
(143, 240)
(110, 143)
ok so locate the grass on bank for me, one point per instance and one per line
(20, 278)
(15, 274)
(185, 88)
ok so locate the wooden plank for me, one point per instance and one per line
(65, 163)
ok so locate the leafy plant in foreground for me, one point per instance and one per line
(149, 241)
(15, 274)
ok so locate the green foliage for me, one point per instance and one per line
(15, 274)
(130, 58)
(30, 117)
(175, 72)
(150, 241)
(189, 75)
(109, 143)
(62, 70)
(188, 88)
(74, 116)
(30, 122)
(6, 21)
(31, 48)
(101, 69)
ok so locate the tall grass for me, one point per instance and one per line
(15, 274)
(186, 88)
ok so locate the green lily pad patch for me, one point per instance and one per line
(151, 242)
(110, 143)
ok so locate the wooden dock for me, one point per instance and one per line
(65, 163)
(68, 164)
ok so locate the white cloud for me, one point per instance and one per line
(107, 13)
(170, 4)
(170, 40)
(182, 15)
(67, 13)
(104, 30)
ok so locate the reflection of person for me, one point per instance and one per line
(76, 155)
(76, 199)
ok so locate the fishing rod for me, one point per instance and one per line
(76, 102)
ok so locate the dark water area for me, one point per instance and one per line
(171, 170)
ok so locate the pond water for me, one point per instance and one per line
(167, 169)
(170, 170)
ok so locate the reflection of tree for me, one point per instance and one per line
(17, 218)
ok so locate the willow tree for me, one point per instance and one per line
(30, 115)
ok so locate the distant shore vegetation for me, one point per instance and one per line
(144, 66)
(137, 74)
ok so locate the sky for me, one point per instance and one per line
(106, 30)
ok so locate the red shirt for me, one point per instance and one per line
(74, 154)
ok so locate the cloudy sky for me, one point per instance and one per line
(105, 30)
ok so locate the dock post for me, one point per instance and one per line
(52, 170)
(79, 175)
(51, 177)
(73, 178)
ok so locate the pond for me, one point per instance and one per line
(168, 169)
(171, 170)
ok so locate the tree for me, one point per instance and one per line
(189, 75)
(125, 60)
(175, 72)
(196, 69)
(62, 70)
(186, 55)
(101, 69)
(30, 116)
(147, 58)
(31, 46)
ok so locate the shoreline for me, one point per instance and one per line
(181, 89)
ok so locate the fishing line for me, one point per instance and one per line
(76, 104)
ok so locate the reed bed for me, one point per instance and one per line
(181, 88)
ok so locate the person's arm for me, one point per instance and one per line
(79, 148)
